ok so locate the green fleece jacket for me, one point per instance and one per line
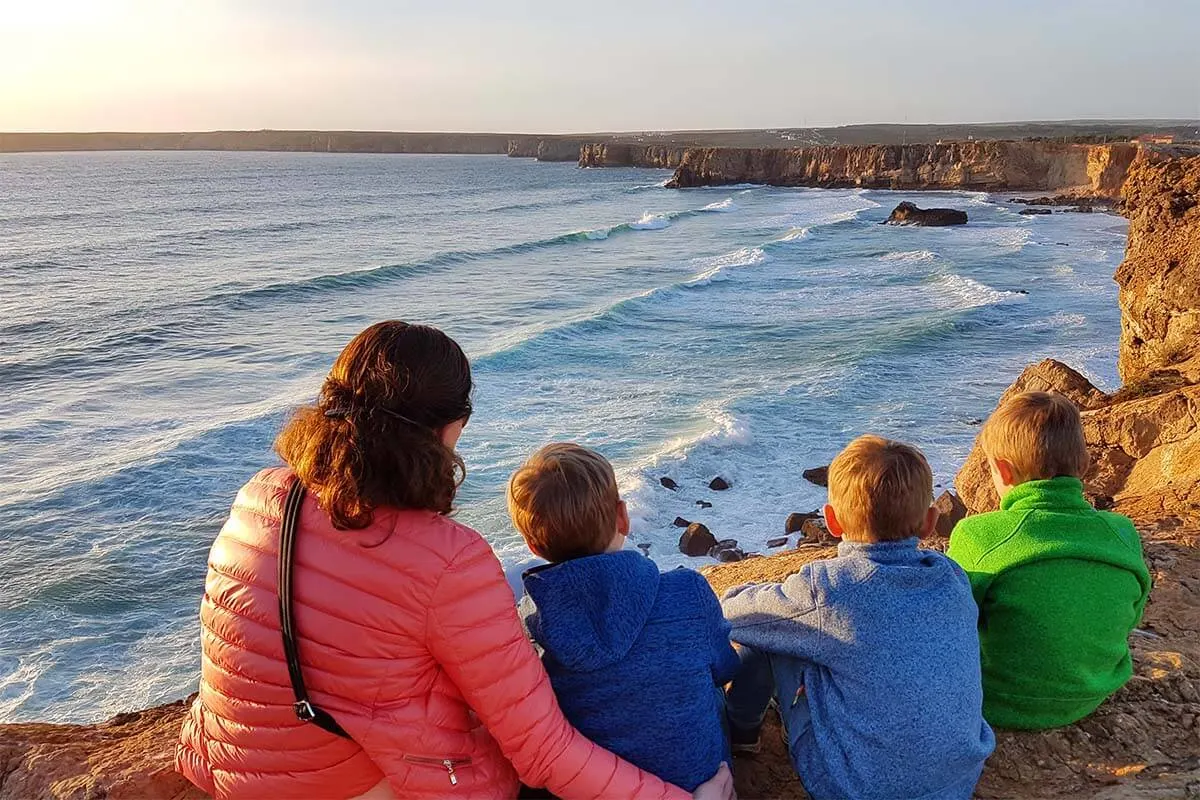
(1059, 587)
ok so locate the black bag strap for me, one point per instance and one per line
(303, 707)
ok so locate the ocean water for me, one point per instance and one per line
(160, 313)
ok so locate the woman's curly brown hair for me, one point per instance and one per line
(372, 440)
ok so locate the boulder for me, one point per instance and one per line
(645, 548)
(1034, 212)
(728, 554)
(815, 531)
(680, 522)
(817, 475)
(719, 484)
(950, 511)
(795, 521)
(668, 484)
(778, 541)
(697, 540)
(909, 214)
(704, 504)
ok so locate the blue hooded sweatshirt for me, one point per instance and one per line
(885, 635)
(636, 657)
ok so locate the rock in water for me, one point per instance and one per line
(719, 484)
(704, 504)
(908, 214)
(1034, 212)
(680, 522)
(817, 475)
(668, 484)
(697, 540)
(815, 532)
(778, 541)
(728, 554)
(795, 521)
(950, 511)
(645, 548)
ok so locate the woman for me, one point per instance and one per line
(405, 625)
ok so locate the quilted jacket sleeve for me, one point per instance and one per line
(475, 635)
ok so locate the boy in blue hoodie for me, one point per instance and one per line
(635, 656)
(872, 656)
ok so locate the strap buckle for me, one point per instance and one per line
(304, 710)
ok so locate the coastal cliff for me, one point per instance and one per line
(1097, 170)
(617, 154)
(1142, 744)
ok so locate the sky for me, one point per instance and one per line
(549, 67)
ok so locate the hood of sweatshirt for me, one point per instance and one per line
(587, 613)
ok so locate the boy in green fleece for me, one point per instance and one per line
(1059, 584)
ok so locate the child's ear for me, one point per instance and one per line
(931, 518)
(1004, 470)
(831, 521)
(622, 518)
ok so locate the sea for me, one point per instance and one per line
(161, 314)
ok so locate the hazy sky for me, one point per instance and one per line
(588, 66)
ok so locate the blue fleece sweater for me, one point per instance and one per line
(886, 632)
(635, 657)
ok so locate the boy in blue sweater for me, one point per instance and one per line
(636, 657)
(872, 656)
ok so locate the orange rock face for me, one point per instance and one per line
(130, 757)
(1092, 170)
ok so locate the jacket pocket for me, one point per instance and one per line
(450, 765)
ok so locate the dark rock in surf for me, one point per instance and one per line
(704, 504)
(815, 532)
(680, 522)
(796, 521)
(778, 541)
(817, 475)
(1034, 212)
(909, 214)
(719, 484)
(728, 554)
(668, 484)
(645, 548)
(697, 540)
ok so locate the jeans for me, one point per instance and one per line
(763, 677)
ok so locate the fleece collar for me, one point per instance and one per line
(1055, 494)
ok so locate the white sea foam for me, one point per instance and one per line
(651, 222)
(909, 256)
(795, 234)
(723, 205)
(716, 266)
(1057, 321)
(599, 233)
(967, 292)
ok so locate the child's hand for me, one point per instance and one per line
(718, 787)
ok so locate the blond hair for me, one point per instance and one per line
(1040, 434)
(564, 502)
(880, 490)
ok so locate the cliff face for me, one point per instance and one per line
(616, 154)
(1145, 438)
(986, 166)
(1160, 276)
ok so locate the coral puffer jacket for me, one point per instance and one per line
(409, 637)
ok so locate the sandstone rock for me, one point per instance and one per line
(627, 154)
(704, 504)
(680, 522)
(130, 757)
(909, 214)
(1084, 170)
(697, 540)
(1159, 279)
(719, 484)
(950, 511)
(668, 484)
(795, 521)
(817, 475)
